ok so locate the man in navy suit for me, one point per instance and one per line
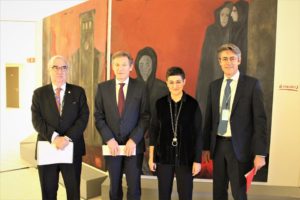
(122, 117)
(60, 114)
(235, 126)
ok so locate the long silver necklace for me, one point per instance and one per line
(174, 126)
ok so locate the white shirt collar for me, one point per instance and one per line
(126, 81)
(234, 77)
(63, 87)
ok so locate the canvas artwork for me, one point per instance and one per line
(160, 34)
(187, 34)
(79, 33)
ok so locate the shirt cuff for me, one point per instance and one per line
(54, 135)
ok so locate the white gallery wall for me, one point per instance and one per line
(18, 42)
(284, 167)
(21, 39)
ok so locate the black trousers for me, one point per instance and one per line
(132, 167)
(184, 178)
(226, 168)
(49, 177)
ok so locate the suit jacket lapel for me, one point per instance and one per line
(129, 95)
(238, 93)
(217, 95)
(52, 101)
(112, 87)
(67, 101)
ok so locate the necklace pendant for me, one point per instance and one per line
(174, 142)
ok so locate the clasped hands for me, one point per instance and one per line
(61, 142)
(115, 150)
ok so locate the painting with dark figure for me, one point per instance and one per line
(216, 35)
(145, 66)
(191, 41)
(80, 34)
(239, 30)
(86, 56)
(87, 60)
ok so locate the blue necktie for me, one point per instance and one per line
(222, 128)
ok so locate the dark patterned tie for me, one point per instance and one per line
(121, 99)
(57, 98)
(222, 128)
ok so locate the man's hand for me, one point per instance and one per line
(196, 168)
(113, 147)
(130, 147)
(259, 162)
(152, 165)
(205, 156)
(61, 142)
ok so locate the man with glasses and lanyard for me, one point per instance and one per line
(234, 127)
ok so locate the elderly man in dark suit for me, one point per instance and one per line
(122, 118)
(60, 114)
(235, 126)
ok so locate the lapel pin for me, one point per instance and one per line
(69, 92)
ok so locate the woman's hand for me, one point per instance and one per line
(151, 164)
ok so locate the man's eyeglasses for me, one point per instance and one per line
(226, 59)
(57, 68)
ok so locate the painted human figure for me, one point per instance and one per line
(216, 35)
(239, 30)
(146, 67)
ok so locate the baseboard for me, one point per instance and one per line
(203, 190)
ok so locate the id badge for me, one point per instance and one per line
(225, 115)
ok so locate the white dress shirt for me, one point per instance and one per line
(233, 86)
(125, 88)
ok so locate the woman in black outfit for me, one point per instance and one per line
(175, 138)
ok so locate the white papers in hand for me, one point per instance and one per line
(106, 151)
(48, 154)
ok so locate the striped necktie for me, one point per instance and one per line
(57, 98)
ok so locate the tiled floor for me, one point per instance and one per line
(20, 181)
(23, 184)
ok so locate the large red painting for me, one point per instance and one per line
(188, 33)
(172, 33)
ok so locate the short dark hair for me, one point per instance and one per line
(174, 71)
(232, 47)
(122, 54)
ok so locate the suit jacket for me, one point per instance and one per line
(71, 123)
(135, 119)
(247, 120)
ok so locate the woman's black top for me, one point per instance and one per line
(189, 132)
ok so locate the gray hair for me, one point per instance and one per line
(53, 58)
(235, 49)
